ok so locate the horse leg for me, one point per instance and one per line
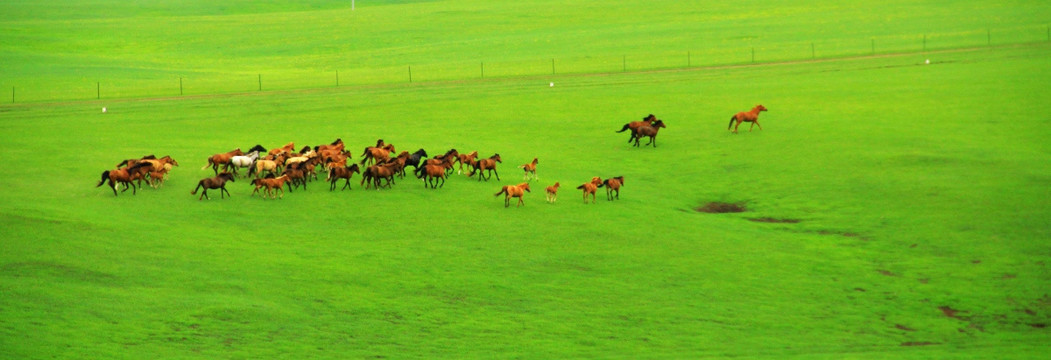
(347, 185)
(757, 124)
(497, 174)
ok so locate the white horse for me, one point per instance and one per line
(245, 161)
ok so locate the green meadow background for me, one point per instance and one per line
(906, 204)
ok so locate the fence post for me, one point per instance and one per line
(625, 64)
(260, 82)
(988, 37)
(410, 73)
(483, 69)
(12, 94)
(924, 42)
(98, 90)
(180, 85)
(688, 64)
(552, 66)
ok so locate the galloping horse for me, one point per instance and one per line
(270, 184)
(284, 149)
(430, 172)
(222, 159)
(613, 184)
(218, 182)
(530, 170)
(650, 131)
(514, 191)
(589, 188)
(244, 161)
(374, 173)
(552, 192)
(376, 154)
(124, 176)
(751, 116)
(336, 173)
(635, 125)
(486, 164)
(465, 159)
(270, 166)
(335, 145)
(414, 159)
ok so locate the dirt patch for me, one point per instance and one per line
(773, 220)
(886, 272)
(1038, 325)
(721, 207)
(948, 311)
(903, 327)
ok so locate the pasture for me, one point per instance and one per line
(894, 208)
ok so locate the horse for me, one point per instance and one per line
(486, 164)
(414, 159)
(222, 159)
(297, 175)
(650, 131)
(430, 172)
(511, 191)
(242, 161)
(270, 166)
(336, 173)
(270, 184)
(552, 192)
(465, 159)
(750, 116)
(612, 184)
(218, 182)
(530, 170)
(334, 146)
(374, 173)
(445, 160)
(284, 149)
(372, 155)
(635, 125)
(123, 176)
(589, 188)
(258, 148)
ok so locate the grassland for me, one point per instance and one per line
(920, 191)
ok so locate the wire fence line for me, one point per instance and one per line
(167, 85)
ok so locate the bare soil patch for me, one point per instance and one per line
(918, 343)
(721, 207)
(774, 220)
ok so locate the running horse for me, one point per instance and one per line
(649, 131)
(124, 176)
(514, 191)
(222, 159)
(218, 182)
(530, 170)
(590, 187)
(635, 125)
(482, 165)
(750, 116)
(613, 185)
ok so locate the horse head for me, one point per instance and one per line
(760, 108)
(497, 158)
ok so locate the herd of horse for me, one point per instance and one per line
(283, 167)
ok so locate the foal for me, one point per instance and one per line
(613, 185)
(270, 184)
(552, 192)
(589, 188)
(218, 182)
(514, 191)
(530, 170)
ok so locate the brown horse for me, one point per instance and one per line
(511, 191)
(465, 159)
(635, 125)
(750, 116)
(124, 176)
(530, 170)
(336, 173)
(222, 159)
(553, 192)
(270, 184)
(486, 164)
(431, 172)
(376, 154)
(284, 149)
(336, 146)
(650, 131)
(218, 182)
(613, 184)
(589, 188)
(373, 174)
(445, 160)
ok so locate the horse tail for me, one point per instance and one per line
(732, 118)
(105, 176)
(625, 128)
(331, 174)
(194, 192)
(580, 187)
(210, 163)
(502, 191)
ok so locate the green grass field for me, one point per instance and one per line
(912, 200)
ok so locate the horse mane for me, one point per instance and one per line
(337, 142)
(149, 157)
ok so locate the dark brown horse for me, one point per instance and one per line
(511, 191)
(486, 164)
(649, 131)
(222, 159)
(376, 154)
(750, 116)
(218, 182)
(124, 176)
(336, 173)
(373, 174)
(635, 125)
(613, 185)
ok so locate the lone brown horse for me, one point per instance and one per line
(635, 125)
(613, 185)
(649, 131)
(750, 116)
(218, 182)
(552, 192)
(511, 191)
(530, 170)
(222, 159)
